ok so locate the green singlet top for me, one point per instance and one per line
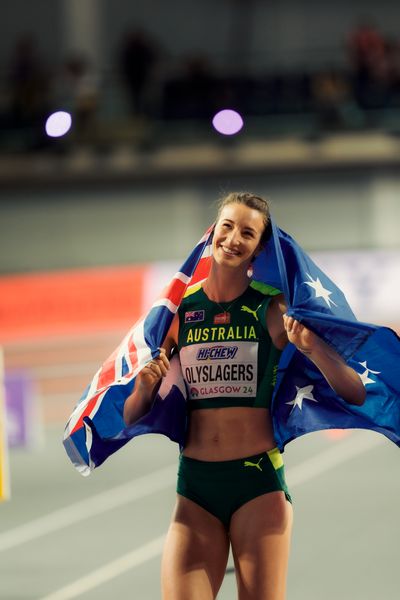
(227, 358)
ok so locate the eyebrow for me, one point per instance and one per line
(245, 227)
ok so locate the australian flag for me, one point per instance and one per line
(194, 316)
(303, 401)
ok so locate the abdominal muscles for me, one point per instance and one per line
(228, 433)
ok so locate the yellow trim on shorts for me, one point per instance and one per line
(276, 458)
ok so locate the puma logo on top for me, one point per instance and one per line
(249, 310)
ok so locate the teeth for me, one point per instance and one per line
(229, 251)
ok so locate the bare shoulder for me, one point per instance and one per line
(274, 321)
(277, 305)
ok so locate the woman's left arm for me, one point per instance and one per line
(342, 378)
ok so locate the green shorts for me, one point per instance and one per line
(224, 486)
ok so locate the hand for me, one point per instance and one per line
(138, 403)
(151, 374)
(304, 339)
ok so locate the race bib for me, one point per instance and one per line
(228, 369)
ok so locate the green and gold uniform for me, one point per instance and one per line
(226, 352)
(228, 359)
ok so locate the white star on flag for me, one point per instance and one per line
(364, 376)
(304, 393)
(320, 291)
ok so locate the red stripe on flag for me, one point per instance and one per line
(86, 412)
(107, 374)
(202, 270)
(174, 291)
(132, 353)
(106, 379)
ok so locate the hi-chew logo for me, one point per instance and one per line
(194, 316)
(217, 353)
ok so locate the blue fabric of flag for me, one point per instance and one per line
(303, 401)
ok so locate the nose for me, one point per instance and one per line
(233, 237)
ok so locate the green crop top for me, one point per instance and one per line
(227, 358)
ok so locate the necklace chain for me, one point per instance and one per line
(226, 310)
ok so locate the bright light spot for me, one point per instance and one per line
(58, 124)
(336, 434)
(227, 122)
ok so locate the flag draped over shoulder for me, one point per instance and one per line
(303, 401)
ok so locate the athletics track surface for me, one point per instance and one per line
(63, 536)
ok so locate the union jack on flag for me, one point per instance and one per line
(303, 401)
(98, 415)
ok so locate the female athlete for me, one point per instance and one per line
(231, 489)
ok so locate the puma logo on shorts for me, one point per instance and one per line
(248, 463)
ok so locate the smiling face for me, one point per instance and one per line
(237, 235)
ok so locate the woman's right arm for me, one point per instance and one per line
(148, 379)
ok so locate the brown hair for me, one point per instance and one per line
(251, 201)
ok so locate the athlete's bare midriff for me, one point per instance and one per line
(228, 433)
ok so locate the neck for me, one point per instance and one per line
(224, 285)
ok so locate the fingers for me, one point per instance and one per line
(292, 325)
(164, 358)
(154, 369)
(158, 367)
